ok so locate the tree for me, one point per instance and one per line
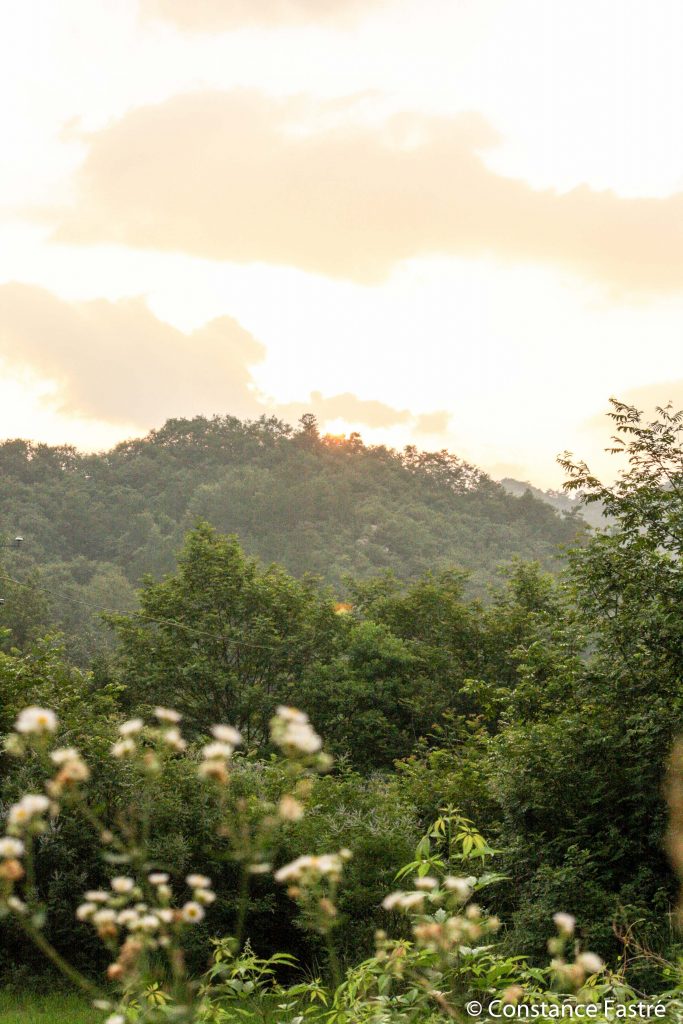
(581, 786)
(222, 637)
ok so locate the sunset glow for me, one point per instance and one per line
(418, 219)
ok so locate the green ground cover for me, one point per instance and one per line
(52, 1008)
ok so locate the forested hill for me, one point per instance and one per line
(93, 525)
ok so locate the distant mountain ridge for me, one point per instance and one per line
(95, 524)
(592, 514)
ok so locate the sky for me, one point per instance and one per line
(451, 223)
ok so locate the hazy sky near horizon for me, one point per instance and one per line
(455, 223)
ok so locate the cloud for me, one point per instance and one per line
(223, 15)
(647, 398)
(433, 423)
(115, 361)
(350, 408)
(239, 177)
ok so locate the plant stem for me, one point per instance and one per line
(60, 963)
(242, 904)
(335, 968)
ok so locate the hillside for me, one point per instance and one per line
(565, 503)
(94, 525)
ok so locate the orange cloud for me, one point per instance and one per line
(222, 15)
(432, 423)
(238, 177)
(116, 361)
(350, 408)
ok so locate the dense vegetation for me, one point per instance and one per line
(544, 713)
(95, 525)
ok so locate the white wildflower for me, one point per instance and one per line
(327, 864)
(73, 770)
(217, 751)
(590, 962)
(122, 885)
(166, 915)
(131, 727)
(174, 739)
(128, 918)
(289, 714)
(37, 721)
(28, 807)
(192, 912)
(96, 896)
(85, 911)
(17, 905)
(115, 1018)
(227, 734)
(393, 900)
(301, 737)
(158, 878)
(35, 803)
(411, 899)
(564, 923)
(290, 809)
(149, 923)
(292, 731)
(426, 882)
(307, 865)
(11, 847)
(61, 755)
(214, 769)
(198, 881)
(123, 747)
(104, 916)
(168, 715)
(293, 870)
(259, 869)
(460, 886)
(205, 896)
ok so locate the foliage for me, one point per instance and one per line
(95, 525)
(543, 711)
(143, 923)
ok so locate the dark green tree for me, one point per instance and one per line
(223, 638)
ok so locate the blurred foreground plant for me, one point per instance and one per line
(446, 952)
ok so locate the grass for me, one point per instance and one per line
(53, 1008)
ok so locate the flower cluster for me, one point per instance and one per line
(35, 721)
(292, 732)
(133, 918)
(72, 770)
(27, 814)
(167, 732)
(308, 868)
(440, 923)
(126, 745)
(28, 817)
(216, 755)
(571, 975)
(312, 881)
(11, 852)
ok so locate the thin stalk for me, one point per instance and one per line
(333, 959)
(242, 904)
(60, 963)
